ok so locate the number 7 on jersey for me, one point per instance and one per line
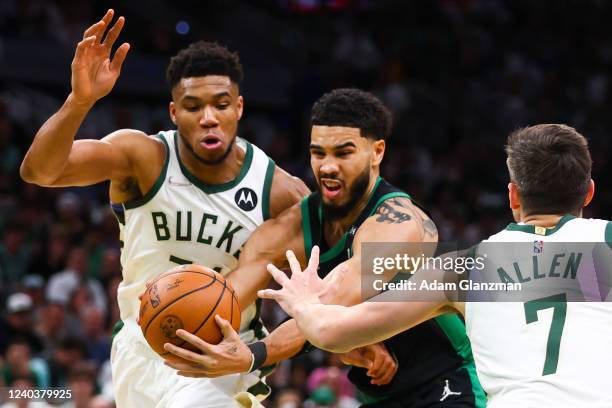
(559, 305)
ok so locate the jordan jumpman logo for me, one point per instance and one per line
(447, 392)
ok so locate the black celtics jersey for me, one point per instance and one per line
(425, 352)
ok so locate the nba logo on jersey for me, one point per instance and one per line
(538, 247)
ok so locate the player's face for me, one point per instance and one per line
(341, 160)
(206, 111)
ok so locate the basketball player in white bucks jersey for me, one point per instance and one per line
(190, 195)
(539, 352)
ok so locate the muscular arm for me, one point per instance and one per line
(339, 328)
(271, 239)
(396, 220)
(267, 244)
(286, 191)
(54, 159)
(284, 342)
(49, 154)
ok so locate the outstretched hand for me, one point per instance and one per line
(93, 72)
(304, 287)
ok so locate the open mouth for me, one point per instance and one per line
(331, 187)
(211, 142)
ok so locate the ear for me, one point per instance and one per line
(240, 106)
(590, 194)
(513, 196)
(378, 151)
(172, 110)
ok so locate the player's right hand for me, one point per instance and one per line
(230, 356)
(381, 365)
(93, 72)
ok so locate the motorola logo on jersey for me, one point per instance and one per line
(246, 199)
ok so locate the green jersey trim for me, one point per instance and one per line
(158, 183)
(336, 249)
(216, 188)
(265, 204)
(260, 388)
(454, 329)
(608, 234)
(256, 324)
(533, 229)
(333, 252)
(116, 329)
(306, 227)
(480, 397)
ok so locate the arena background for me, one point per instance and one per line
(459, 75)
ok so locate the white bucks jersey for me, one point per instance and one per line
(545, 352)
(183, 220)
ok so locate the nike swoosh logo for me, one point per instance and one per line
(181, 182)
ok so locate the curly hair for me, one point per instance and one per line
(351, 107)
(204, 58)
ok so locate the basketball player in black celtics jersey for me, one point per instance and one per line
(353, 205)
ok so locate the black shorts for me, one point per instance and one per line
(451, 390)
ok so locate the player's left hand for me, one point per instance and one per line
(381, 365)
(228, 357)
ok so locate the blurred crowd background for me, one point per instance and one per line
(458, 75)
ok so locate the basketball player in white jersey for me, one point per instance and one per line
(193, 194)
(543, 352)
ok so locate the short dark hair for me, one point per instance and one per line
(204, 58)
(354, 108)
(551, 167)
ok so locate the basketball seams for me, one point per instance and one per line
(214, 279)
(232, 308)
(210, 313)
(234, 298)
(234, 305)
(158, 277)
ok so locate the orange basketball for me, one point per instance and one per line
(187, 297)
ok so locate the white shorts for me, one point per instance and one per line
(140, 379)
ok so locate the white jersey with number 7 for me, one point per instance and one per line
(544, 352)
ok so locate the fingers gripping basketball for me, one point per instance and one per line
(187, 297)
